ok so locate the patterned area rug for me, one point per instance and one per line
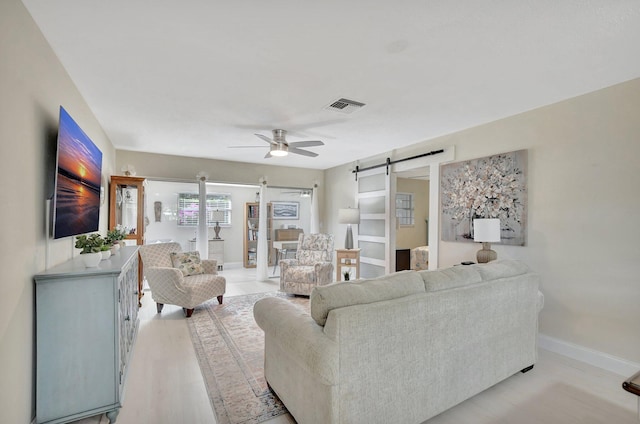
(229, 346)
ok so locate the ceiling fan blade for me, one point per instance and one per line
(265, 138)
(302, 152)
(308, 143)
(268, 155)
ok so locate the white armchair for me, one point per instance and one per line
(312, 266)
(188, 285)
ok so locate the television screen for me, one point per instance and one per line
(77, 189)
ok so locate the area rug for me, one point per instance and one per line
(229, 346)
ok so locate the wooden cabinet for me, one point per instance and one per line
(216, 251)
(86, 325)
(252, 232)
(127, 208)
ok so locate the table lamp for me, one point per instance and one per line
(217, 216)
(486, 231)
(349, 216)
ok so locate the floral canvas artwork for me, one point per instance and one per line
(489, 187)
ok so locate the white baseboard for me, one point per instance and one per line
(592, 357)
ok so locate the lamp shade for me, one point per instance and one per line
(349, 216)
(486, 230)
(217, 216)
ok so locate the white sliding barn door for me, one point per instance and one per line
(376, 239)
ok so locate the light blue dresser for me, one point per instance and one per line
(86, 325)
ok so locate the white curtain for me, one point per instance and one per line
(315, 214)
(202, 244)
(262, 273)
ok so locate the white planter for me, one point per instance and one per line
(105, 254)
(91, 260)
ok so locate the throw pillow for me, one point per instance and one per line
(187, 262)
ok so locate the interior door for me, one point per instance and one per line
(375, 188)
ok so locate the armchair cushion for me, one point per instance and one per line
(187, 262)
(310, 257)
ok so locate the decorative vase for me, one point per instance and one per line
(91, 260)
(105, 254)
(122, 243)
(114, 248)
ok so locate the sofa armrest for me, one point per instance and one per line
(285, 264)
(299, 335)
(324, 272)
(210, 266)
(165, 282)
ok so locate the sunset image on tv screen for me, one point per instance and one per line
(77, 197)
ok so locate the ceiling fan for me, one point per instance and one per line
(278, 146)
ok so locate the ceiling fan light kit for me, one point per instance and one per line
(279, 147)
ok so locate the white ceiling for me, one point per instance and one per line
(193, 77)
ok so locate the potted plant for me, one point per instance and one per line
(116, 236)
(105, 250)
(91, 246)
(347, 275)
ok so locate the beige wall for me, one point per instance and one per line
(158, 166)
(33, 84)
(408, 237)
(584, 158)
(583, 235)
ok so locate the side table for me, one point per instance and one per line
(347, 258)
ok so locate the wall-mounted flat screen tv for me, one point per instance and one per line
(76, 207)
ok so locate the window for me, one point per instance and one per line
(189, 206)
(404, 209)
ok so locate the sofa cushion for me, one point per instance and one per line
(501, 269)
(338, 295)
(187, 262)
(306, 273)
(449, 278)
(310, 257)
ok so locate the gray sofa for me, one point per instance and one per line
(401, 348)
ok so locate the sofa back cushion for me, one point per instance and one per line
(502, 269)
(464, 275)
(449, 278)
(314, 248)
(323, 299)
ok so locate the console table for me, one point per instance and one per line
(216, 251)
(86, 325)
(347, 258)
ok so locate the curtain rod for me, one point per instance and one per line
(389, 162)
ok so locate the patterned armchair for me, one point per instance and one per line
(312, 266)
(179, 278)
(420, 258)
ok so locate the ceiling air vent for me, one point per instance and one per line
(344, 106)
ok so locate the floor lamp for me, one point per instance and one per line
(349, 216)
(486, 231)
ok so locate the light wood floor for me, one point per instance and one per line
(164, 385)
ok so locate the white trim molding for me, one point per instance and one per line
(596, 358)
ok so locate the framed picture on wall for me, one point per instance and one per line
(286, 210)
